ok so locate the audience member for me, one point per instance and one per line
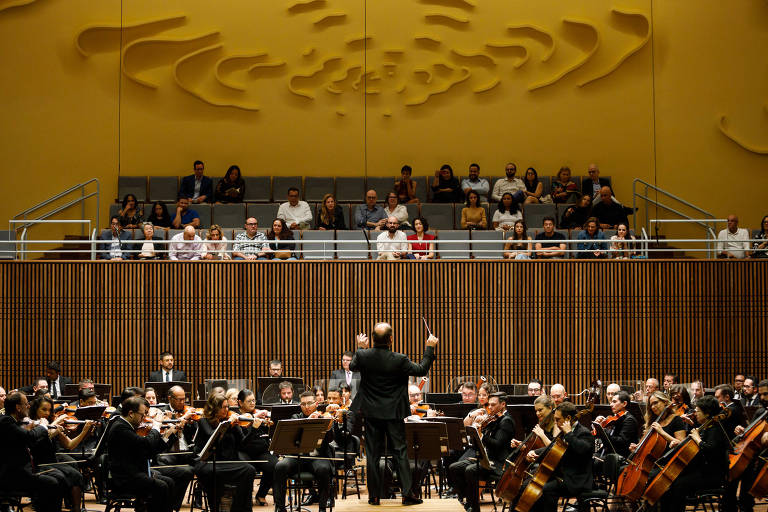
(592, 185)
(331, 215)
(535, 387)
(275, 368)
(475, 182)
(231, 188)
(286, 393)
(215, 246)
(370, 215)
(563, 189)
(159, 216)
(622, 243)
(405, 187)
(558, 394)
(533, 187)
(509, 185)
(196, 187)
(149, 248)
(185, 216)
(468, 392)
(185, 245)
(422, 245)
(760, 249)
(519, 245)
(507, 213)
(576, 215)
(56, 380)
(733, 242)
(250, 244)
(167, 372)
(549, 243)
(591, 243)
(281, 245)
(473, 215)
(394, 209)
(392, 244)
(295, 213)
(609, 214)
(115, 245)
(445, 187)
(130, 215)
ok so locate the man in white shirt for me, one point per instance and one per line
(392, 244)
(474, 182)
(733, 242)
(295, 213)
(186, 245)
(514, 186)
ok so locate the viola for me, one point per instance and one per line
(747, 446)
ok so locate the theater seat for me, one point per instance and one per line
(163, 188)
(136, 185)
(534, 214)
(453, 251)
(204, 211)
(355, 250)
(7, 249)
(439, 215)
(350, 190)
(229, 215)
(382, 185)
(258, 189)
(461, 206)
(316, 187)
(263, 213)
(281, 184)
(480, 251)
(318, 241)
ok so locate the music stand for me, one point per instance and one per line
(294, 437)
(456, 410)
(161, 388)
(482, 455)
(428, 440)
(457, 439)
(600, 433)
(209, 450)
(263, 382)
(443, 398)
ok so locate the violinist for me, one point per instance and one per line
(255, 444)
(724, 395)
(573, 475)
(621, 428)
(671, 427)
(708, 469)
(496, 437)
(418, 411)
(346, 394)
(476, 416)
(151, 395)
(177, 457)
(238, 474)
(697, 391)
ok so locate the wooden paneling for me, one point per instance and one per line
(568, 321)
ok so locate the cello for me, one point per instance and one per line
(746, 446)
(760, 487)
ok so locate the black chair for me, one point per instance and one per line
(706, 500)
(305, 481)
(115, 500)
(590, 501)
(343, 470)
(14, 500)
(197, 490)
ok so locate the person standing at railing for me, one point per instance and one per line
(733, 242)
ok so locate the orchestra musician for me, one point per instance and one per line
(479, 414)
(17, 471)
(558, 394)
(56, 381)
(497, 432)
(414, 399)
(151, 396)
(546, 428)
(176, 456)
(167, 373)
(255, 444)
(671, 427)
(724, 395)
(238, 474)
(622, 427)
(611, 390)
(535, 387)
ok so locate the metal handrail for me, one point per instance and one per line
(26, 224)
(81, 200)
(711, 236)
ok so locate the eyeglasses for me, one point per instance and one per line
(251, 223)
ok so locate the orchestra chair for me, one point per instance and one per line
(114, 500)
(595, 500)
(706, 500)
(14, 500)
(343, 473)
(196, 488)
(305, 481)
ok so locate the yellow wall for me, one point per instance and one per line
(69, 113)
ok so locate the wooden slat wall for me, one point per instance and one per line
(560, 321)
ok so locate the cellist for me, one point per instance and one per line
(671, 427)
(545, 428)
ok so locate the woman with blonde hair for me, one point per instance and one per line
(215, 246)
(331, 216)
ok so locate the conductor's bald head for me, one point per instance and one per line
(382, 334)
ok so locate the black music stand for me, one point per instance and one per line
(263, 383)
(161, 388)
(294, 437)
(482, 455)
(457, 440)
(428, 440)
(456, 410)
(209, 450)
(600, 433)
(102, 391)
(520, 399)
(443, 398)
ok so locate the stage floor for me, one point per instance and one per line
(429, 505)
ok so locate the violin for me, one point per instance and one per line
(423, 410)
(244, 420)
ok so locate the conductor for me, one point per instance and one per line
(383, 401)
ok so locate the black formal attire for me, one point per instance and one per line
(322, 469)
(738, 417)
(240, 475)
(573, 475)
(745, 501)
(17, 472)
(750, 401)
(340, 377)
(338, 221)
(611, 213)
(187, 188)
(587, 188)
(176, 376)
(466, 473)
(181, 474)
(58, 390)
(383, 402)
(255, 446)
(129, 456)
(621, 433)
(43, 451)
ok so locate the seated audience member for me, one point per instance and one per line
(760, 248)
(275, 368)
(519, 245)
(468, 392)
(509, 185)
(563, 189)
(231, 188)
(535, 388)
(281, 244)
(533, 187)
(507, 213)
(591, 243)
(733, 242)
(575, 216)
(115, 245)
(592, 185)
(422, 245)
(295, 213)
(185, 216)
(159, 216)
(286, 393)
(475, 182)
(622, 243)
(167, 371)
(611, 390)
(149, 248)
(445, 186)
(405, 187)
(196, 187)
(558, 394)
(609, 214)
(394, 209)
(473, 215)
(130, 215)
(185, 245)
(549, 243)
(215, 246)
(392, 244)
(370, 215)
(318, 393)
(250, 244)
(331, 215)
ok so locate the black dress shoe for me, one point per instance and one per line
(374, 501)
(412, 500)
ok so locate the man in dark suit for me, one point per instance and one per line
(116, 242)
(344, 375)
(56, 381)
(167, 373)
(594, 183)
(749, 396)
(16, 473)
(383, 401)
(196, 187)
(496, 438)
